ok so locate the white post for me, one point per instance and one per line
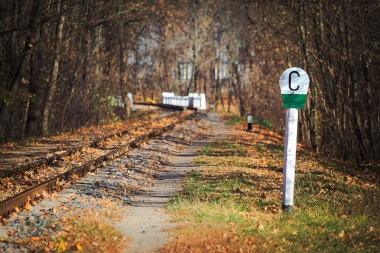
(203, 102)
(290, 148)
(130, 97)
(249, 121)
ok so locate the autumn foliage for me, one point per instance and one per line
(63, 63)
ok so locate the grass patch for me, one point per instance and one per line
(233, 204)
(234, 119)
(224, 148)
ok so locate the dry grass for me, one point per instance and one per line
(82, 230)
(234, 203)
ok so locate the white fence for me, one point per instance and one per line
(193, 100)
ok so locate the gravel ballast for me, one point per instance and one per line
(135, 188)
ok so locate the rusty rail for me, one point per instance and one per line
(34, 194)
(48, 161)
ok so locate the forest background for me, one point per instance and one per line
(67, 64)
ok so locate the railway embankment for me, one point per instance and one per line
(127, 193)
(204, 186)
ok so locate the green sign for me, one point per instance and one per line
(294, 84)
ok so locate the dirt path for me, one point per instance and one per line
(147, 221)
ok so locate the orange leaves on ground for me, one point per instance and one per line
(79, 247)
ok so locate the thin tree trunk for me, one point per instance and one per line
(13, 43)
(229, 98)
(369, 94)
(54, 73)
(217, 92)
(30, 43)
(302, 25)
(33, 122)
(354, 88)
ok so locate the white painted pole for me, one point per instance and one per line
(203, 101)
(249, 121)
(290, 148)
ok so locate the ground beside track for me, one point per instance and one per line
(154, 174)
(146, 223)
(24, 152)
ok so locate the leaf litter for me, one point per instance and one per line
(71, 220)
(336, 205)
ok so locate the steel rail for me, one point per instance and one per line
(35, 193)
(71, 151)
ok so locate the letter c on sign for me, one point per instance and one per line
(290, 81)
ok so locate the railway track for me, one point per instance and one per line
(25, 185)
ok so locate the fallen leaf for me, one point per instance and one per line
(45, 194)
(260, 226)
(54, 210)
(34, 237)
(252, 239)
(28, 207)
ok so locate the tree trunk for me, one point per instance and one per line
(302, 25)
(14, 41)
(354, 87)
(54, 73)
(217, 92)
(229, 98)
(127, 106)
(33, 122)
(30, 43)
